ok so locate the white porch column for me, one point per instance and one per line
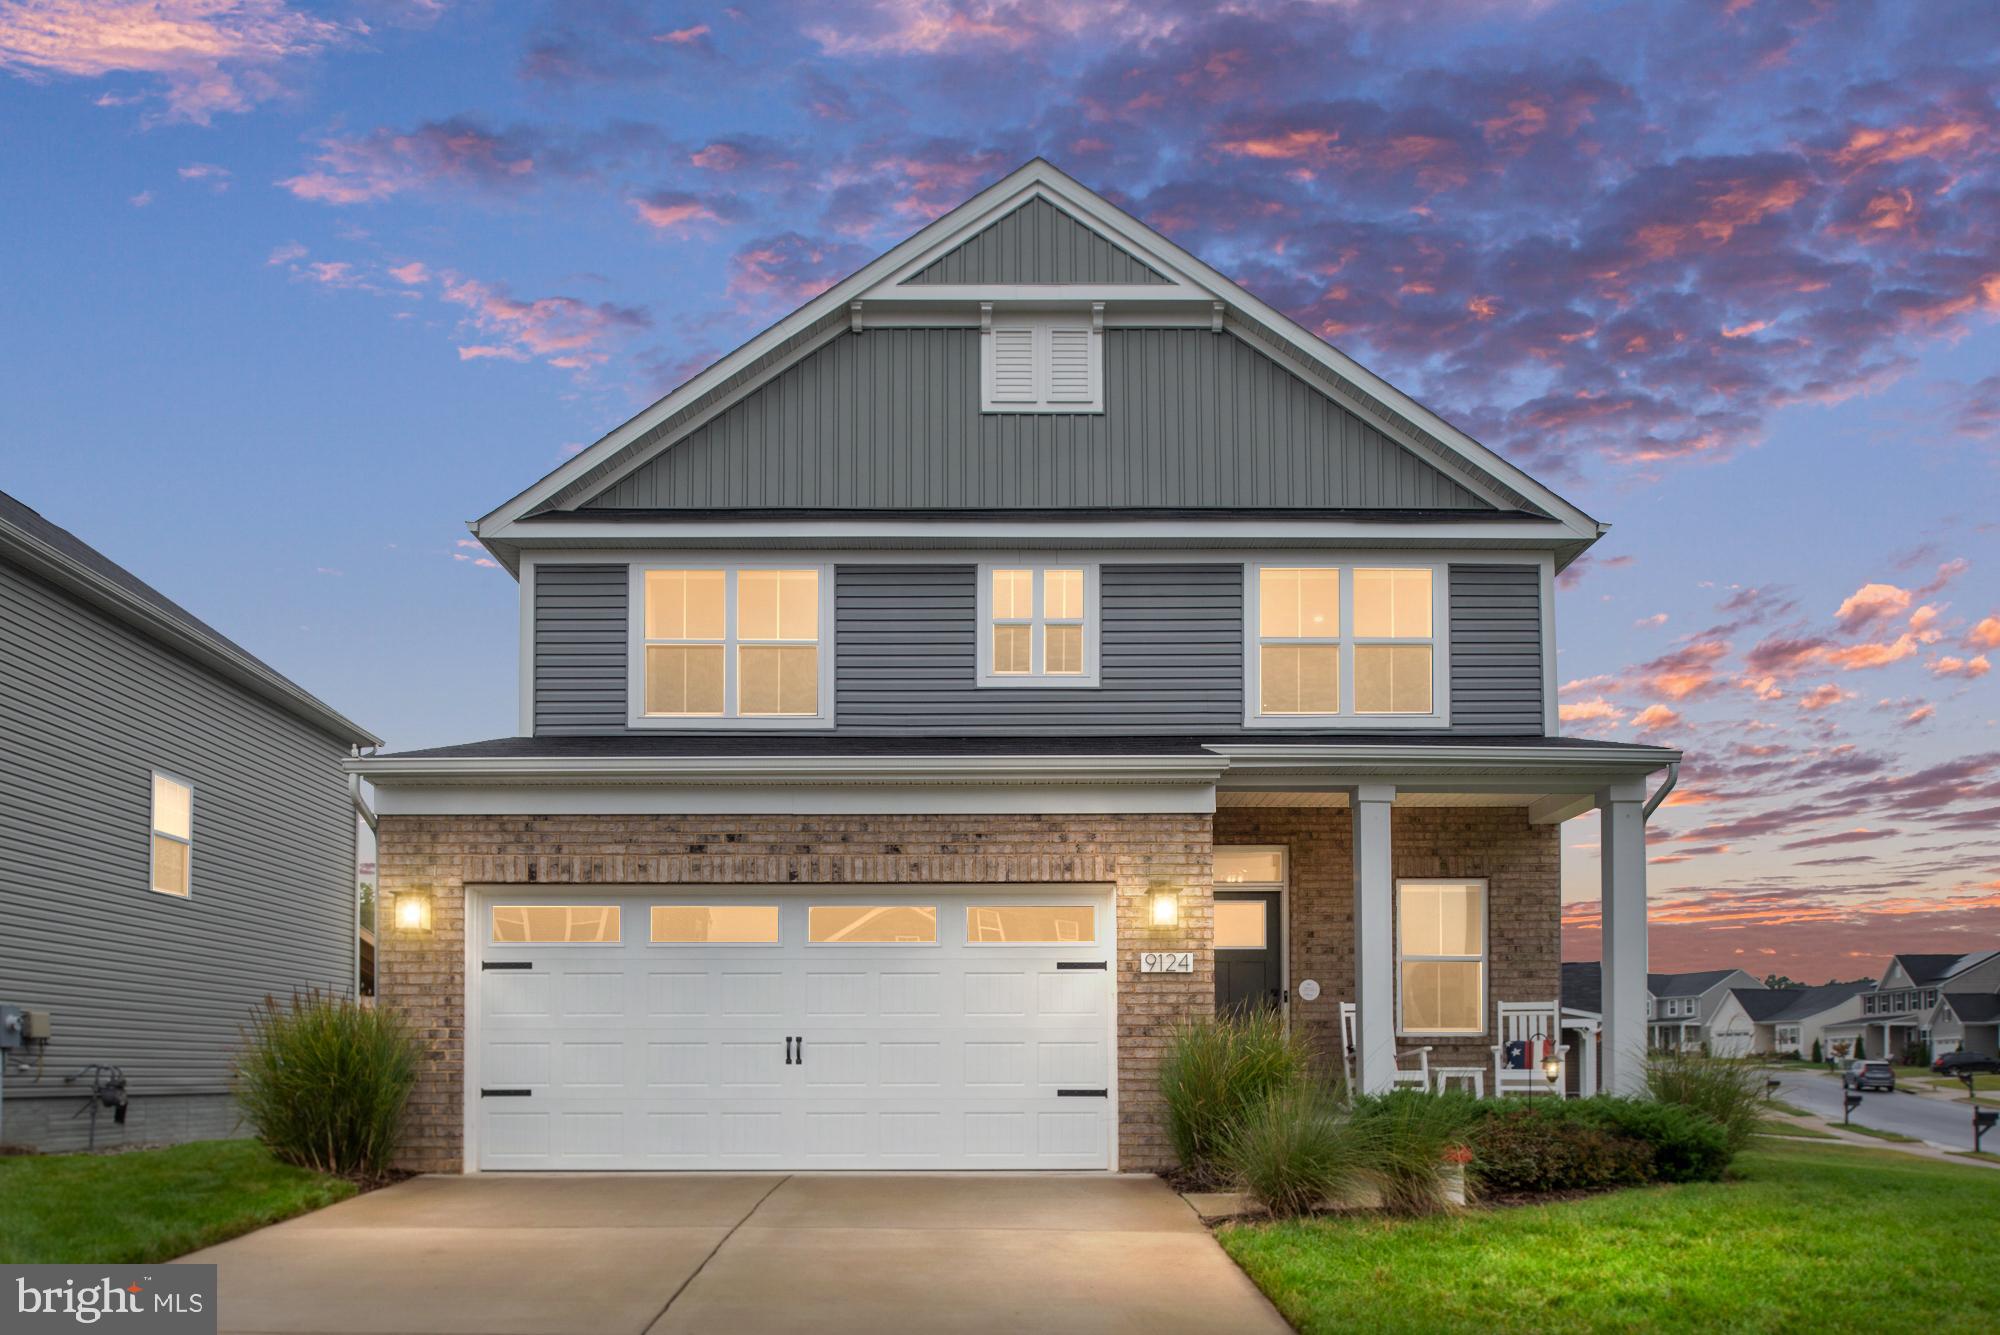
(1586, 1083)
(1623, 851)
(1374, 938)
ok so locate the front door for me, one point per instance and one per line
(1249, 972)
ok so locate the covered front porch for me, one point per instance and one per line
(1421, 894)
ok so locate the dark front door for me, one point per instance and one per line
(1248, 971)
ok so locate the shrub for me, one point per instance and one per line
(1684, 1145)
(1528, 1150)
(1214, 1073)
(1731, 1092)
(1295, 1149)
(324, 1080)
(1407, 1133)
(1817, 1058)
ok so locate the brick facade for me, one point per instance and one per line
(424, 975)
(1521, 862)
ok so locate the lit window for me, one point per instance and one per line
(1028, 924)
(1039, 625)
(173, 835)
(1041, 363)
(725, 924)
(1335, 643)
(1249, 866)
(1441, 956)
(871, 924)
(1392, 641)
(1298, 633)
(1241, 924)
(732, 644)
(555, 924)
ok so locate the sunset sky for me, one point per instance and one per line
(292, 291)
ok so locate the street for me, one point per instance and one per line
(1947, 1125)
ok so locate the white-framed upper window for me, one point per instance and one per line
(1360, 645)
(736, 645)
(173, 835)
(1038, 623)
(1041, 362)
(1441, 957)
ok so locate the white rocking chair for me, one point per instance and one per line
(1536, 1026)
(1417, 1077)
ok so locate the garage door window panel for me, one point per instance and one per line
(872, 924)
(714, 924)
(1030, 924)
(556, 924)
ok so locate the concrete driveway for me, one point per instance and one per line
(743, 1254)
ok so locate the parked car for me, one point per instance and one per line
(1870, 1075)
(1966, 1063)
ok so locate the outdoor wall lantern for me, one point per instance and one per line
(1166, 907)
(413, 912)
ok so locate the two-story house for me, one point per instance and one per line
(1032, 643)
(1941, 1002)
(176, 844)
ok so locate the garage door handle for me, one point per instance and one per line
(505, 1093)
(801, 1041)
(1083, 1093)
(1081, 964)
(788, 1051)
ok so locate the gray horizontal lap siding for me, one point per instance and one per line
(580, 648)
(1037, 243)
(1496, 650)
(158, 985)
(907, 646)
(890, 419)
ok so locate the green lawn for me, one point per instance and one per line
(1876, 1132)
(1797, 1242)
(148, 1205)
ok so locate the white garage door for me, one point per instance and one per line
(963, 1029)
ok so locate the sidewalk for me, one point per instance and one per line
(1916, 1147)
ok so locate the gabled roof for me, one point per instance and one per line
(1926, 969)
(1685, 984)
(1791, 1005)
(1380, 404)
(1974, 1007)
(55, 554)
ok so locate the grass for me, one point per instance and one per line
(1794, 1130)
(148, 1205)
(1788, 1245)
(1779, 1105)
(1984, 1156)
(1877, 1132)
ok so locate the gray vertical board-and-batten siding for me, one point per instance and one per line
(1497, 678)
(906, 646)
(158, 985)
(890, 419)
(1037, 243)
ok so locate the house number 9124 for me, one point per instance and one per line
(1166, 961)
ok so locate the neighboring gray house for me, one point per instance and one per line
(1945, 1002)
(1031, 643)
(176, 843)
(1685, 1006)
(1784, 1021)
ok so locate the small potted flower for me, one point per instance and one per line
(1455, 1157)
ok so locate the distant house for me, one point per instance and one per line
(1784, 1021)
(1681, 1008)
(1947, 1002)
(176, 843)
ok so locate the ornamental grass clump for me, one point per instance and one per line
(1731, 1092)
(323, 1082)
(1296, 1149)
(1411, 1137)
(1214, 1073)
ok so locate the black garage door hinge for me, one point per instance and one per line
(505, 1093)
(1083, 1093)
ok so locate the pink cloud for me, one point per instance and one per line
(385, 163)
(1984, 635)
(411, 274)
(1595, 710)
(1822, 697)
(1657, 619)
(1918, 715)
(683, 36)
(211, 55)
(1871, 602)
(561, 330)
(1655, 718)
(788, 269)
(1969, 668)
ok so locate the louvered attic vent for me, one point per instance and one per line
(1045, 362)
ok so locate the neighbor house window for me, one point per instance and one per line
(173, 835)
(745, 643)
(1041, 363)
(1355, 644)
(1441, 957)
(1038, 624)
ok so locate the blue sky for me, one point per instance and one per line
(297, 290)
